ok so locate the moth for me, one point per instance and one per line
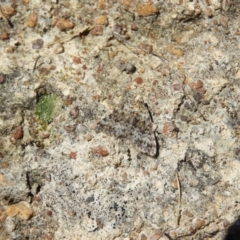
(137, 127)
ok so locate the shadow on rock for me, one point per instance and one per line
(233, 232)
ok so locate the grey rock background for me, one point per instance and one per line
(65, 180)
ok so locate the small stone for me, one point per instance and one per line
(102, 4)
(117, 28)
(32, 20)
(74, 113)
(134, 27)
(25, 2)
(209, 12)
(77, 60)
(89, 137)
(17, 132)
(187, 213)
(101, 20)
(177, 52)
(147, 9)
(4, 35)
(100, 151)
(3, 78)
(138, 80)
(98, 31)
(196, 85)
(8, 11)
(199, 223)
(126, 3)
(9, 49)
(58, 48)
(49, 213)
(72, 155)
(21, 210)
(177, 87)
(3, 215)
(37, 44)
(65, 24)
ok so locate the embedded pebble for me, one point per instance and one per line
(58, 48)
(147, 9)
(98, 31)
(138, 80)
(102, 151)
(3, 78)
(37, 44)
(21, 210)
(74, 113)
(65, 24)
(17, 132)
(101, 20)
(117, 28)
(32, 20)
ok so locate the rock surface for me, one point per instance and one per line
(143, 139)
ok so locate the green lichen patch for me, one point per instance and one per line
(47, 107)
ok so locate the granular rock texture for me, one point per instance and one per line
(142, 138)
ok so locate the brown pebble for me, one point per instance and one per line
(134, 27)
(71, 213)
(196, 85)
(9, 49)
(2, 78)
(199, 223)
(72, 155)
(177, 87)
(89, 137)
(25, 2)
(32, 20)
(4, 35)
(209, 12)
(102, 4)
(138, 80)
(126, 3)
(102, 151)
(188, 213)
(74, 113)
(98, 31)
(8, 11)
(49, 213)
(76, 60)
(177, 52)
(17, 132)
(101, 20)
(67, 101)
(146, 9)
(65, 24)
